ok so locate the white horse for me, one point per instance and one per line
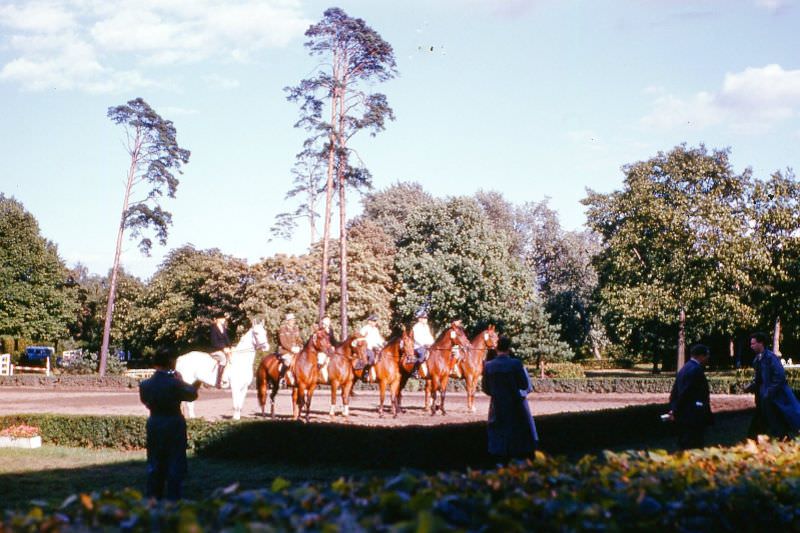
(201, 366)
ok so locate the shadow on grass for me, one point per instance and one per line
(254, 453)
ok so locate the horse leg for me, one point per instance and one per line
(395, 398)
(189, 409)
(309, 394)
(434, 385)
(381, 396)
(273, 392)
(469, 379)
(442, 393)
(333, 399)
(346, 387)
(296, 399)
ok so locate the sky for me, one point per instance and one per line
(535, 99)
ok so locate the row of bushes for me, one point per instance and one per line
(446, 446)
(751, 487)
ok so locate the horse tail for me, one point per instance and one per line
(261, 383)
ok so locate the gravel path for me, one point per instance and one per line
(216, 405)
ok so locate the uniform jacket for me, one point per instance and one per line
(690, 398)
(373, 336)
(219, 339)
(422, 335)
(512, 432)
(772, 389)
(288, 338)
(164, 392)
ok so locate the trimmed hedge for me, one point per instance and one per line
(446, 446)
(752, 487)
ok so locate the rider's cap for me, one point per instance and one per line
(289, 316)
(422, 314)
(372, 318)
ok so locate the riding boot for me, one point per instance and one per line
(220, 371)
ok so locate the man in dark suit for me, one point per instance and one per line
(778, 410)
(162, 394)
(689, 401)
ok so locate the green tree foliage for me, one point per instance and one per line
(675, 237)
(389, 208)
(775, 213)
(284, 284)
(454, 263)
(155, 157)
(92, 295)
(37, 300)
(190, 286)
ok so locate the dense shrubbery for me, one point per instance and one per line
(88, 363)
(562, 371)
(751, 487)
(605, 364)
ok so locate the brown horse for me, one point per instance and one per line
(441, 362)
(268, 376)
(471, 365)
(340, 373)
(395, 364)
(306, 371)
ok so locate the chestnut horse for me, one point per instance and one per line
(471, 364)
(305, 368)
(441, 362)
(394, 366)
(268, 375)
(340, 373)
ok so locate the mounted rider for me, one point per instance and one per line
(325, 324)
(423, 337)
(289, 345)
(220, 345)
(375, 342)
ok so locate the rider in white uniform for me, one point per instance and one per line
(423, 338)
(373, 337)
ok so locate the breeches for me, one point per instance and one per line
(220, 357)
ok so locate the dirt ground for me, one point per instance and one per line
(216, 405)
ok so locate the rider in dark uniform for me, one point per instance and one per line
(166, 427)
(220, 344)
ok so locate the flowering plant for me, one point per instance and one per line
(20, 431)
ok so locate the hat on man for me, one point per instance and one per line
(289, 316)
(372, 318)
(422, 314)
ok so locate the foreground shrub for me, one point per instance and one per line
(752, 487)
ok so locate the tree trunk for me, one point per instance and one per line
(342, 168)
(681, 339)
(776, 336)
(112, 289)
(326, 228)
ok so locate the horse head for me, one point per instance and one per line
(458, 337)
(259, 335)
(321, 341)
(491, 338)
(407, 345)
(357, 347)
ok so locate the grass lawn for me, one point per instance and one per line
(52, 473)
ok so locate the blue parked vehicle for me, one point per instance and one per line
(38, 353)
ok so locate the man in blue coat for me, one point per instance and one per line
(689, 401)
(162, 394)
(512, 431)
(775, 400)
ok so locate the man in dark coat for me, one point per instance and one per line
(166, 427)
(690, 400)
(511, 430)
(776, 405)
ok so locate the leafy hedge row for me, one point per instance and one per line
(752, 487)
(446, 446)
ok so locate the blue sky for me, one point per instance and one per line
(533, 98)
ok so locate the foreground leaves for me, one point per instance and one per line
(750, 487)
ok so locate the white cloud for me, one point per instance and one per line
(218, 82)
(773, 6)
(122, 44)
(752, 100)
